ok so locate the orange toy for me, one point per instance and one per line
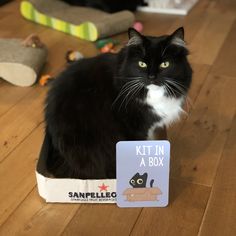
(107, 48)
(45, 79)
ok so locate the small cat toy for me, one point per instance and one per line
(45, 79)
(106, 45)
(72, 56)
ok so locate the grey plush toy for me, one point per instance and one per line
(22, 60)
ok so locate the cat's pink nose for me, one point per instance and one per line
(151, 76)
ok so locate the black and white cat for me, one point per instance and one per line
(99, 101)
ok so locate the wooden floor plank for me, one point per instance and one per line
(12, 95)
(13, 21)
(226, 5)
(196, 152)
(17, 173)
(225, 61)
(182, 216)
(150, 21)
(199, 170)
(57, 42)
(210, 37)
(193, 21)
(100, 219)
(36, 217)
(21, 120)
(200, 72)
(156, 24)
(220, 216)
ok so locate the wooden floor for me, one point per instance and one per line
(203, 162)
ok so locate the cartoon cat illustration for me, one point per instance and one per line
(140, 181)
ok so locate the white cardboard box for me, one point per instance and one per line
(72, 190)
(76, 190)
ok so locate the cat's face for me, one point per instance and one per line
(156, 62)
(138, 181)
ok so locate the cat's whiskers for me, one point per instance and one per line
(181, 88)
(181, 85)
(136, 90)
(178, 85)
(181, 91)
(131, 91)
(172, 91)
(177, 89)
(167, 89)
(128, 78)
(188, 99)
(127, 95)
(126, 87)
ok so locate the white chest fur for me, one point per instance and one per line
(168, 108)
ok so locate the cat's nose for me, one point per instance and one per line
(151, 76)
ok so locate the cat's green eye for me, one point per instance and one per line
(164, 64)
(142, 64)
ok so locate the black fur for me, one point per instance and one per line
(108, 5)
(86, 114)
(139, 181)
(151, 183)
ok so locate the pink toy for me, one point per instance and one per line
(138, 26)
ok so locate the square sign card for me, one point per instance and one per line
(142, 173)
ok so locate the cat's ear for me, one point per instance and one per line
(135, 38)
(145, 175)
(177, 37)
(179, 33)
(136, 175)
